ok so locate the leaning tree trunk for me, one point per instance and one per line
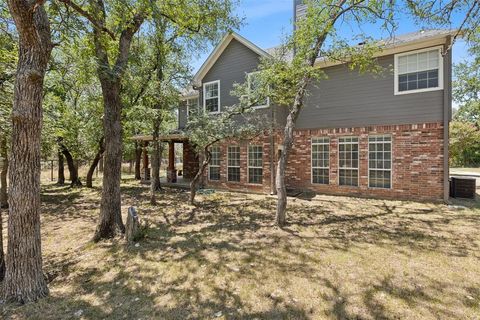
(24, 279)
(286, 148)
(198, 177)
(138, 161)
(3, 174)
(61, 169)
(96, 160)
(155, 183)
(72, 167)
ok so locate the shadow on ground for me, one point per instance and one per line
(341, 258)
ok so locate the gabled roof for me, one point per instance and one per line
(217, 52)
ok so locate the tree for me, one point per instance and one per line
(206, 18)
(316, 35)
(24, 279)
(8, 61)
(239, 121)
(464, 144)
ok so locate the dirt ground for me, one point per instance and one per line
(338, 258)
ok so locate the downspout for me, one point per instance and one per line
(447, 114)
(273, 158)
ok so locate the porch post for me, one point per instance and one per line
(146, 169)
(171, 172)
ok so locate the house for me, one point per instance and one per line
(358, 134)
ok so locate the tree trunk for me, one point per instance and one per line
(110, 207)
(155, 178)
(198, 177)
(24, 279)
(110, 80)
(138, 161)
(72, 167)
(3, 201)
(61, 169)
(3, 174)
(286, 148)
(96, 160)
(2, 255)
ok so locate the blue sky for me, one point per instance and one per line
(266, 21)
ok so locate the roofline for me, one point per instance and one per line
(389, 49)
(217, 52)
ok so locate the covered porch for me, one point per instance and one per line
(180, 165)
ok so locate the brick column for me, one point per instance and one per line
(146, 169)
(171, 172)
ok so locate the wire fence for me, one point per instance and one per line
(49, 171)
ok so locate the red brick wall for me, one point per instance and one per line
(190, 161)
(243, 185)
(417, 162)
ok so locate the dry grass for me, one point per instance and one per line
(339, 258)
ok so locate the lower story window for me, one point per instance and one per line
(380, 162)
(255, 164)
(214, 166)
(348, 161)
(320, 160)
(233, 164)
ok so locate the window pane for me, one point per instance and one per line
(233, 163)
(214, 173)
(418, 70)
(348, 161)
(234, 174)
(379, 175)
(255, 175)
(320, 160)
(255, 164)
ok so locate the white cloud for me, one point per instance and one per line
(256, 9)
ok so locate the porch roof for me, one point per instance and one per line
(176, 137)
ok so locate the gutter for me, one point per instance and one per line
(447, 114)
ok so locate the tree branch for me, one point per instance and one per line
(96, 24)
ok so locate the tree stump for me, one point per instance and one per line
(132, 228)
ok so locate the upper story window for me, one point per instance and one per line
(253, 85)
(192, 106)
(211, 96)
(419, 71)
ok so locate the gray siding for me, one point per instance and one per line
(182, 115)
(231, 67)
(347, 99)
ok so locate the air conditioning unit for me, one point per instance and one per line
(462, 187)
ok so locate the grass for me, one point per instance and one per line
(339, 258)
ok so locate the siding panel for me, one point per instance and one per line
(347, 98)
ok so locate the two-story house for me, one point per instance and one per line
(358, 134)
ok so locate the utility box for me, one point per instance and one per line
(462, 187)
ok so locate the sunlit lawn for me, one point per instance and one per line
(339, 258)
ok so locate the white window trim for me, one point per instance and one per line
(215, 166)
(205, 100)
(248, 165)
(248, 83)
(311, 161)
(348, 168)
(229, 166)
(188, 106)
(391, 161)
(440, 71)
